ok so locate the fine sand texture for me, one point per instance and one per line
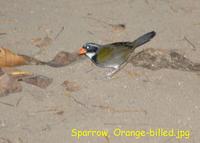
(137, 98)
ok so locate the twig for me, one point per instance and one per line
(98, 20)
(58, 34)
(18, 101)
(20, 140)
(47, 110)
(193, 46)
(8, 104)
(147, 2)
(78, 102)
(111, 109)
(173, 9)
(5, 140)
(108, 108)
(3, 34)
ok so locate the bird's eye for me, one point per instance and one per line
(87, 47)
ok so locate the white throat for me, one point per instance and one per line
(90, 55)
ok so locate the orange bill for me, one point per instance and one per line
(82, 51)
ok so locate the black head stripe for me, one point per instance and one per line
(91, 47)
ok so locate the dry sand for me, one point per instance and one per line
(136, 99)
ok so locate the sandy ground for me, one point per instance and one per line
(136, 98)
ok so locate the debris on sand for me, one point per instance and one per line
(3, 34)
(63, 59)
(155, 59)
(42, 42)
(38, 80)
(70, 86)
(10, 81)
(118, 27)
(11, 59)
(9, 85)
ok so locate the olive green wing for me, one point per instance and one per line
(112, 54)
(104, 54)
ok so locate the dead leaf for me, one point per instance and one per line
(28, 77)
(9, 59)
(42, 42)
(38, 80)
(63, 58)
(70, 86)
(9, 85)
(32, 61)
(10, 80)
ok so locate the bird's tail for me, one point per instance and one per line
(143, 39)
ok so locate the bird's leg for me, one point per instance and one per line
(110, 72)
(114, 71)
(117, 68)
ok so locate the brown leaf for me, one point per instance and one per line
(9, 85)
(10, 59)
(32, 61)
(42, 42)
(70, 86)
(38, 80)
(10, 80)
(63, 58)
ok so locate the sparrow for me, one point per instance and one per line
(113, 55)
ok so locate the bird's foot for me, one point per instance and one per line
(112, 73)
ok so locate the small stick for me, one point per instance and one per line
(98, 20)
(3, 34)
(78, 102)
(147, 2)
(8, 104)
(111, 109)
(186, 39)
(18, 101)
(5, 140)
(58, 34)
